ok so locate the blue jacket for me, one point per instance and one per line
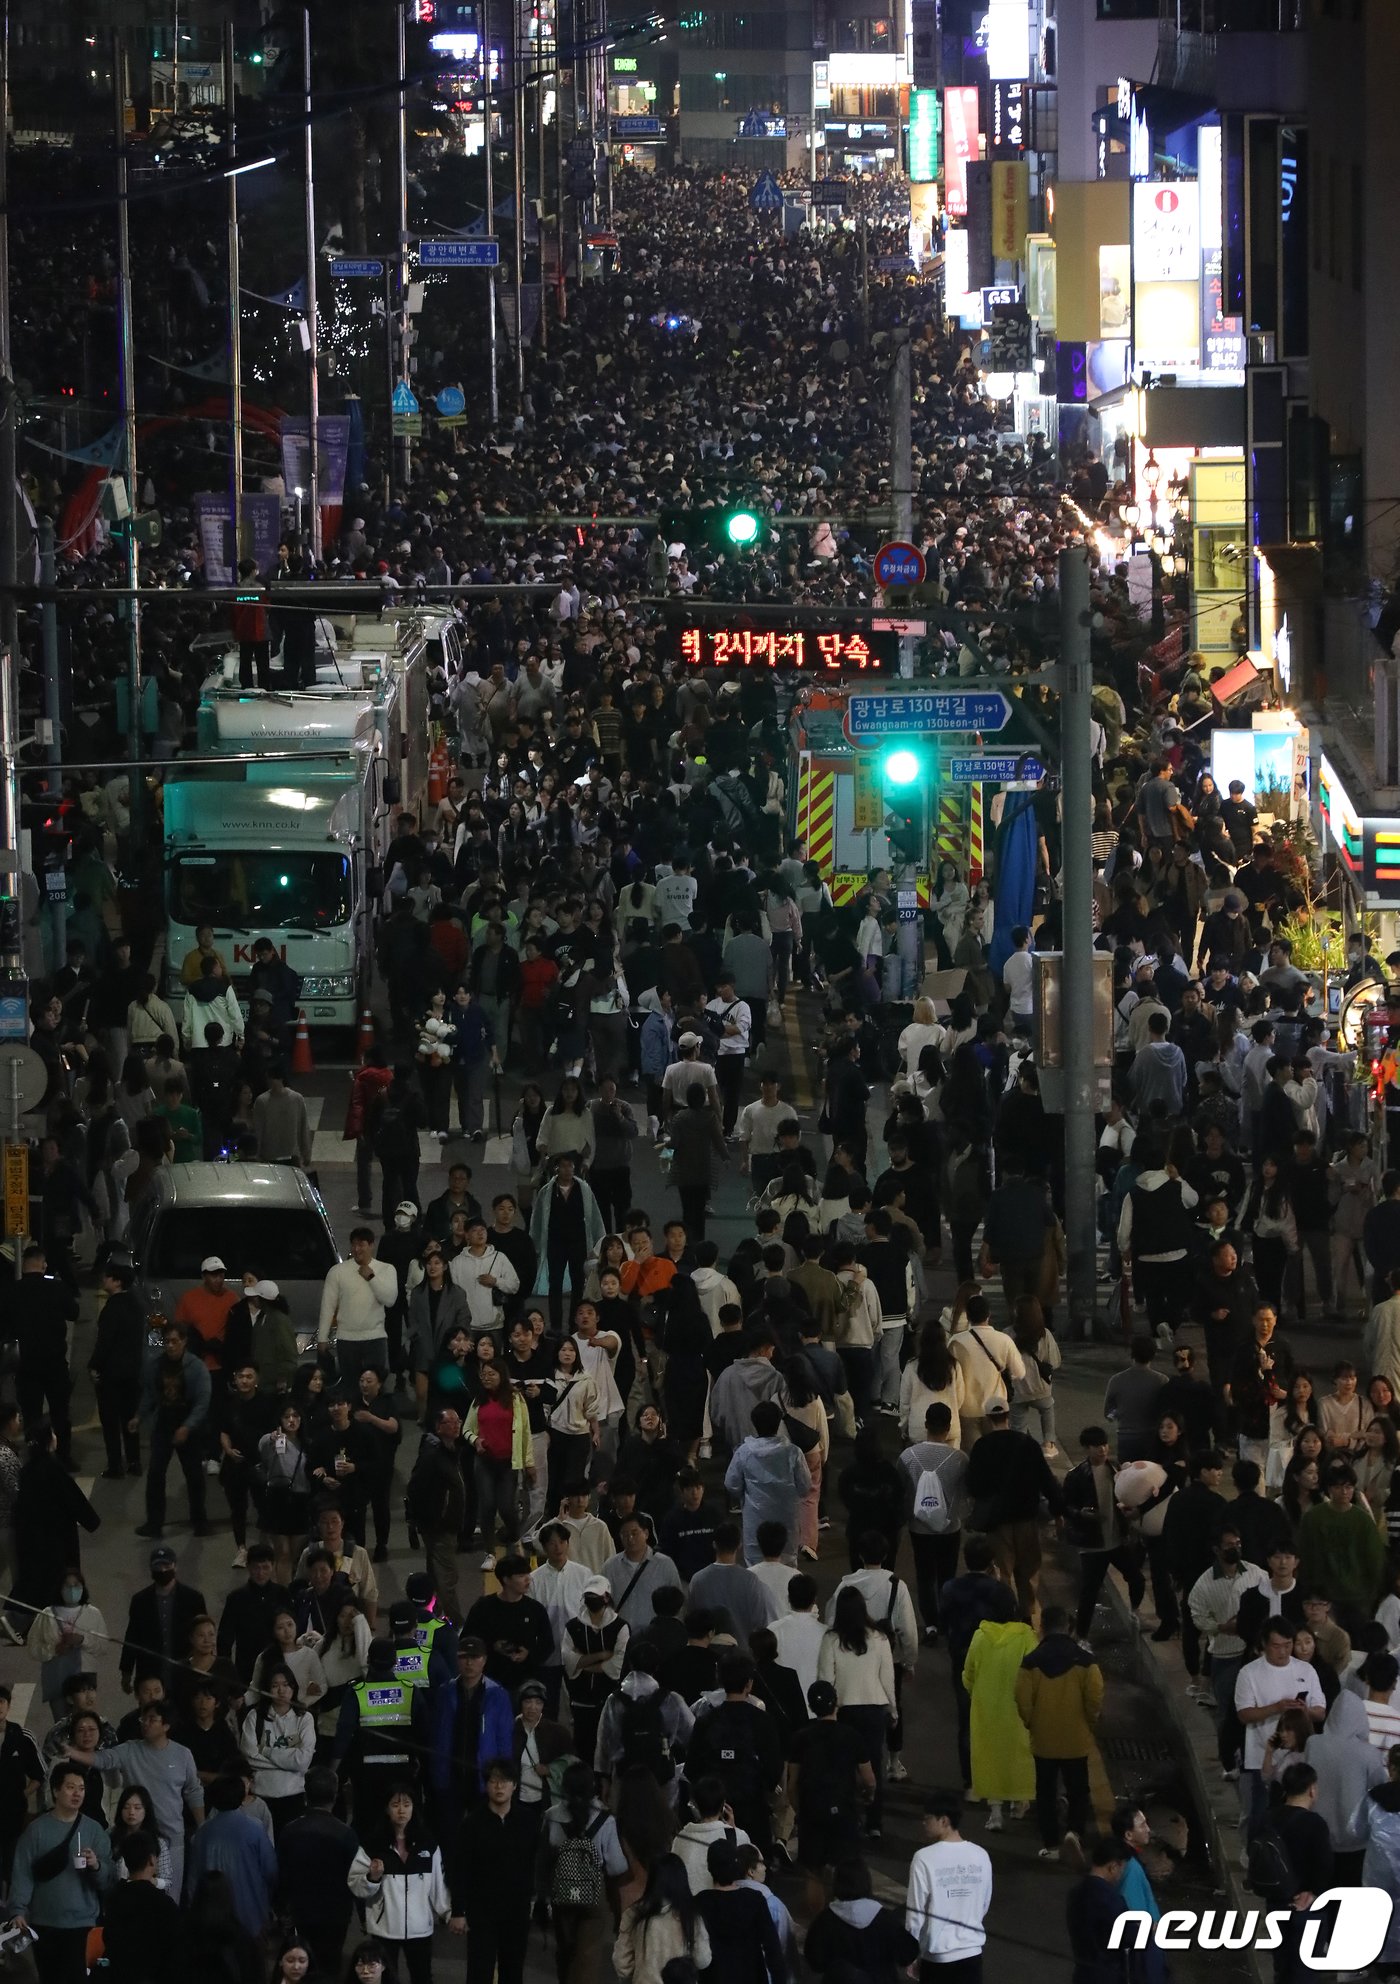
(234, 1845)
(472, 1039)
(197, 1392)
(656, 1046)
(444, 1710)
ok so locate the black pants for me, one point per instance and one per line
(163, 1451)
(694, 1199)
(871, 1723)
(60, 1955)
(557, 1264)
(962, 1231)
(254, 655)
(613, 1190)
(1163, 1590)
(729, 1073)
(1161, 1285)
(118, 1401)
(398, 1180)
(417, 1955)
(496, 1943)
(325, 1940)
(1048, 1772)
(380, 1489)
(963, 1706)
(962, 1970)
(935, 1561)
(1094, 1567)
(54, 1386)
(860, 1377)
(236, 1480)
(570, 1457)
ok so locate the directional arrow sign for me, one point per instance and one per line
(926, 713)
(459, 254)
(342, 270)
(994, 771)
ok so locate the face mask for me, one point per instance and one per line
(72, 1594)
(1229, 1557)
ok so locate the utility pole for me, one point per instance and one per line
(402, 443)
(11, 940)
(48, 576)
(865, 281)
(313, 374)
(1076, 969)
(902, 462)
(126, 383)
(235, 330)
(488, 105)
(543, 204)
(517, 131)
(562, 299)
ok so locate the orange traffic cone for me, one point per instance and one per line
(364, 1039)
(437, 774)
(302, 1063)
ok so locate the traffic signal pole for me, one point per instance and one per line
(902, 463)
(1076, 979)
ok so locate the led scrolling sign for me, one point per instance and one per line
(835, 653)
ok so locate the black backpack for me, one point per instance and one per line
(730, 1752)
(645, 1744)
(1270, 1867)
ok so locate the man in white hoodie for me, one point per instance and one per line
(713, 1288)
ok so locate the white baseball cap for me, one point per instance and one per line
(211, 1264)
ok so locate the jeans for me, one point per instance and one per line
(469, 1083)
(1224, 1672)
(1035, 1416)
(495, 1496)
(890, 1345)
(558, 1265)
(191, 1458)
(1048, 1771)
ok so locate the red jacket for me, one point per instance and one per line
(367, 1086)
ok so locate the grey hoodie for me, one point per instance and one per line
(747, 1382)
(1347, 1766)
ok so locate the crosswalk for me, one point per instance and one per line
(329, 1149)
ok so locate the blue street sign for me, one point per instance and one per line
(451, 400)
(459, 254)
(344, 270)
(14, 1012)
(405, 400)
(636, 127)
(767, 195)
(829, 192)
(926, 713)
(899, 564)
(994, 771)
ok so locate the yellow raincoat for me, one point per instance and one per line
(1002, 1766)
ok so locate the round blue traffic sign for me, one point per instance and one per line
(450, 401)
(899, 564)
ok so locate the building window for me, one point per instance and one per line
(1126, 10)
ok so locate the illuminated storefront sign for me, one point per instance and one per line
(757, 647)
(961, 143)
(1007, 138)
(1009, 40)
(1167, 275)
(925, 129)
(1368, 847)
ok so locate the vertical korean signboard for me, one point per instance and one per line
(924, 131)
(961, 143)
(1167, 275)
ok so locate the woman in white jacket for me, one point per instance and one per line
(279, 1741)
(397, 1874)
(856, 1657)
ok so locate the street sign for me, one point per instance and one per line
(344, 271)
(636, 127)
(459, 254)
(17, 1188)
(829, 192)
(869, 814)
(14, 1010)
(405, 400)
(926, 714)
(994, 771)
(899, 564)
(451, 400)
(767, 195)
(581, 149)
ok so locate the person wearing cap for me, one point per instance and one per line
(204, 1310)
(1225, 934)
(540, 1741)
(378, 1732)
(434, 1636)
(829, 1779)
(158, 1622)
(469, 1720)
(175, 1399)
(114, 1366)
(260, 1333)
(679, 1078)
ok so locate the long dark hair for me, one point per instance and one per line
(576, 1795)
(934, 1364)
(668, 1892)
(850, 1621)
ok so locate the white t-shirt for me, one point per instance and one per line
(1018, 976)
(950, 1891)
(674, 899)
(1258, 1682)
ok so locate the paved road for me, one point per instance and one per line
(1027, 1915)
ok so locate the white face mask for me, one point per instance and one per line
(72, 1594)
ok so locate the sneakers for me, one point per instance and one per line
(995, 1822)
(705, 1450)
(488, 1562)
(895, 1770)
(1164, 1633)
(152, 1531)
(1047, 1853)
(240, 1559)
(810, 1555)
(1050, 1450)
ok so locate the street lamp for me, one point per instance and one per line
(1130, 513)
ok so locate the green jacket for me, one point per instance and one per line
(1343, 1554)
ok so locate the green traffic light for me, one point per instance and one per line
(901, 767)
(741, 527)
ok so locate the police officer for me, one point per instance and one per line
(375, 1744)
(436, 1635)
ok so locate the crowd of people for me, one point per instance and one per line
(630, 1443)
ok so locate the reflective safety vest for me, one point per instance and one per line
(425, 1632)
(411, 1666)
(384, 1704)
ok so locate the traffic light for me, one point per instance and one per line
(732, 527)
(904, 773)
(901, 766)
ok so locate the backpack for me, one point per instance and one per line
(930, 1502)
(577, 1880)
(644, 1741)
(1269, 1869)
(730, 1753)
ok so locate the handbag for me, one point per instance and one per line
(50, 1864)
(803, 1436)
